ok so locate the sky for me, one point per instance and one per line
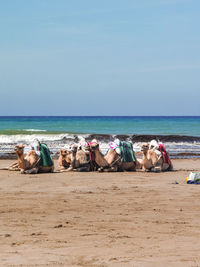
(108, 57)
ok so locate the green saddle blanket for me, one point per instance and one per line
(45, 156)
(126, 152)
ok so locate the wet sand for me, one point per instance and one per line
(100, 219)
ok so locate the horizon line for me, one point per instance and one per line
(1, 116)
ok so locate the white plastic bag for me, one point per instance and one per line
(194, 176)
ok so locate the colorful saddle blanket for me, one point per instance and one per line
(45, 156)
(126, 150)
(164, 154)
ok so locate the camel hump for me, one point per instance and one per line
(32, 153)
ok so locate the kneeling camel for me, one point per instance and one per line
(152, 160)
(76, 159)
(30, 163)
(111, 162)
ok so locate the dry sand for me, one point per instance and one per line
(100, 219)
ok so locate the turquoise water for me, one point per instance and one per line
(189, 126)
(59, 132)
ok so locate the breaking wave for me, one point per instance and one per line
(177, 146)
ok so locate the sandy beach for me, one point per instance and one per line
(100, 219)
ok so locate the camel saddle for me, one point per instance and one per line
(45, 156)
(126, 152)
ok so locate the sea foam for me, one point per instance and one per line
(58, 141)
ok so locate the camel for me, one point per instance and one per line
(64, 159)
(153, 160)
(76, 159)
(30, 164)
(111, 161)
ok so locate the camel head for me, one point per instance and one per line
(73, 148)
(145, 147)
(19, 149)
(93, 147)
(65, 156)
(153, 145)
(64, 153)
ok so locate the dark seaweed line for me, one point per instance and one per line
(145, 138)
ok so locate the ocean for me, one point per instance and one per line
(180, 135)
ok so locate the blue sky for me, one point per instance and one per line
(75, 57)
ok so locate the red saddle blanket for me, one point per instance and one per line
(164, 154)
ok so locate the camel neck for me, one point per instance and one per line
(21, 160)
(145, 153)
(99, 158)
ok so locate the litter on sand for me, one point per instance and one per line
(193, 178)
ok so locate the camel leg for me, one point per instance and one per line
(83, 169)
(144, 169)
(69, 169)
(4, 169)
(31, 171)
(12, 167)
(15, 164)
(158, 166)
(156, 169)
(113, 169)
(108, 169)
(9, 169)
(65, 169)
(61, 169)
